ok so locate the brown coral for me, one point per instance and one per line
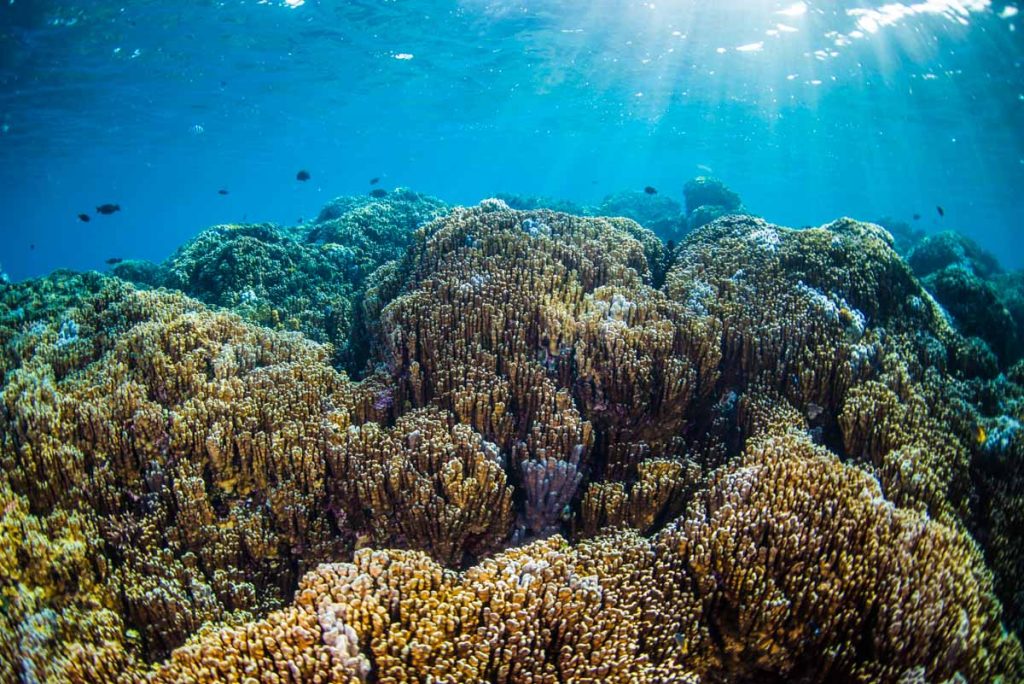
(429, 482)
(180, 473)
(789, 565)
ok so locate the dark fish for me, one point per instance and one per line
(32, 246)
(302, 175)
(650, 190)
(374, 181)
(84, 218)
(222, 191)
(108, 209)
(942, 212)
(378, 193)
(917, 217)
(113, 261)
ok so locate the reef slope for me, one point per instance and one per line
(576, 455)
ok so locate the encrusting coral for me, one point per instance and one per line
(575, 457)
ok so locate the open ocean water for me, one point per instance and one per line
(527, 341)
(809, 110)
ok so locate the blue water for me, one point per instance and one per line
(809, 110)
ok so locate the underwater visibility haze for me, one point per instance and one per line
(492, 341)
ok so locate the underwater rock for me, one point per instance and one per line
(660, 454)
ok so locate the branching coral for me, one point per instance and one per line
(197, 440)
(768, 466)
(427, 482)
(788, 565)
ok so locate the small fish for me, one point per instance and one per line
(378, 193)
(981, 436)
(84, 218)
(302, 175)
(374, 180)
(222, 191)
(32, 246)
(113, 261)
(107, 209)
(651, 190)
(917, 217)
(942, 212)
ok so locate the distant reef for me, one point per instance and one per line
(413, 442)
(310, 278)
(706, 199)
(981, 299)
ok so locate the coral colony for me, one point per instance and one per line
(408, 442)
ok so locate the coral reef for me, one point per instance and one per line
(935, 252)
(309, 279)
(430, 481)
(373, 230)
(905, 236)
(1010, 288)
(269, 278)
(768, 456)
(28, 308)
(788, 566)
(708, 199)
(977, 308)
(660, 214)
(531, 203)
(970, 285)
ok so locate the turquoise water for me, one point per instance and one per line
(321, 362)
(809, 110)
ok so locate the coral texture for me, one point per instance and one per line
(576, 455)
